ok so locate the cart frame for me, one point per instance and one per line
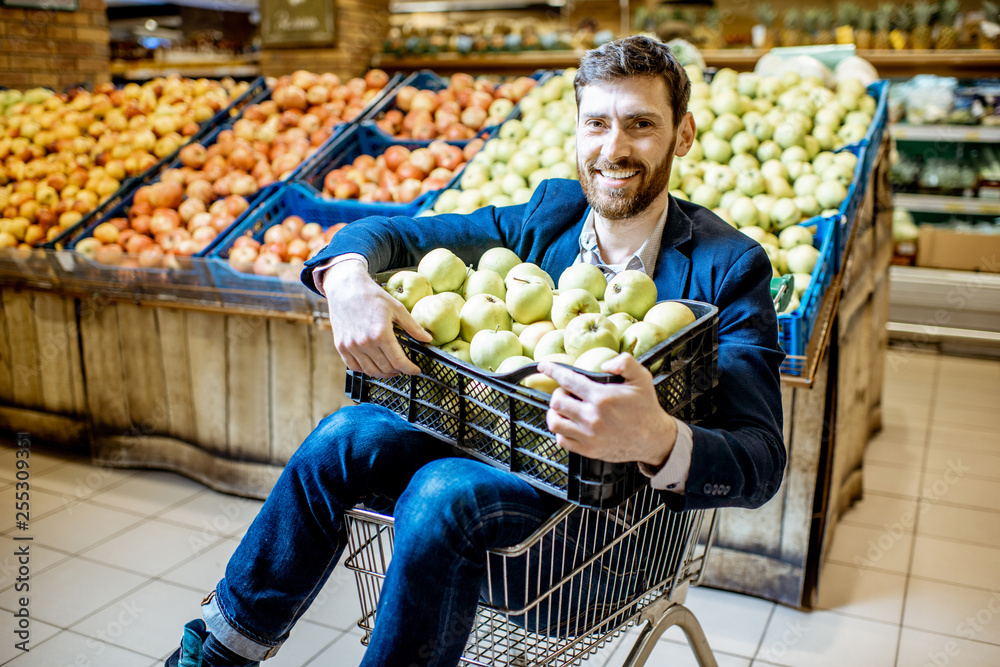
(555, 601)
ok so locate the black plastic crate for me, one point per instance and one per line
(494, 419)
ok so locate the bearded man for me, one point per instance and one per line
(449, 512)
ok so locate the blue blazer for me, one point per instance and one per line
(738, 456)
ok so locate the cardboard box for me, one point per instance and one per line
(939, 248)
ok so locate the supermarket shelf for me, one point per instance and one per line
(943, 204)
(969, 133)
(140, 70)
(964, 63)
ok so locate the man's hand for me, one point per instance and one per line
(362, 315)
(610, 422)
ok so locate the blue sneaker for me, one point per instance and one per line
(189, 654)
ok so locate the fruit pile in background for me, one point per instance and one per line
(61, 155)
(195, 202)
(508, 314)
(285, 247)
(457, 112)
(398, 174)
(540, 144)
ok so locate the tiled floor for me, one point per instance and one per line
(121, 559)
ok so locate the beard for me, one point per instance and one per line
(624, 203)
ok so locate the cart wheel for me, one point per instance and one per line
(675, 614)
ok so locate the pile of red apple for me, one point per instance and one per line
(399, 175)
(286, 247)
(462, 109)
(61, 157)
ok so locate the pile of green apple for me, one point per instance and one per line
(540, 144)
(507, 314)
(765, 152)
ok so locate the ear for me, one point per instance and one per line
(686, 133)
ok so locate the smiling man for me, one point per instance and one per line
(632, 120)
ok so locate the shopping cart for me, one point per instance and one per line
(582, 579)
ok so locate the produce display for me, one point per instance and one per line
(285, 247)
(61, 155)
(399, 174)
(457, 112)
(191, 204)
(540, 144)
(508, 314)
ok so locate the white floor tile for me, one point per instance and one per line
(39, 460)
(38, 633)
(914, 416)
(680, 655)
(150, 548)
(966, 416)
(827, 639)
(867, 548)
(80, 480)
(214, 513)
(958, 487)
(879, 478)
(950, 435)
(902, 430)
(982, 464)
(149, 493)
(956, 562)
(886, 452)
(876, 510)
(40, 504)
(205, 570)
(960, 523)
(306, 642)
(347, 651)
(917, 647)
(69, 648)
(337, 604)
(75, 588)
(39, 559)
(733, 623)
(952, 610)
(80, 525)
(147, 621)
(877, 596)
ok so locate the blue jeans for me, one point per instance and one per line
(449, 512)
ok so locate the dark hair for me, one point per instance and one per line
(636, 56)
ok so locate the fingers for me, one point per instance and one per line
(563, 427)
(627, 367)
(406, 322)
(568, 379)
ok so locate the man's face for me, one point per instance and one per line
(625, 143)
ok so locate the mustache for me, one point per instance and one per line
(600, 164)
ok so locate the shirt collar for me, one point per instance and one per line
(644, 259)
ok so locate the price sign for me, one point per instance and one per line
(297, 22)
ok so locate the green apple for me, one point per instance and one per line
(438, 317)
(588, 331)
(489, 348)
(514, 130)
(408, 287)
(517, 327)
(511, 364)
(499, 259)
(605, 308)
(485, 281)
(454, 299)
(632, 292)
(483, 312)
(443, 268)
(559, 358)
(523, 163)
(540, 382)
(671, 316)
(622, 321)
(528, 300)
(802, 259)
(642, 337)
(570, 303)
(584, 276)
(459, 349)
(594, 358)
(527, 270)
(533, 333)
(553, 342)
(793, 236)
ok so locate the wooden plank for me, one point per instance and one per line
(22, 337)
(206, 343)
(55, 338)
(102, 367)
(70, 434)
(249, 425)
(752, 574)
(176, 372)
(328, 375)
(75, 359)
(6, 361)
(803, 466)
(144, 385)
(291, 386)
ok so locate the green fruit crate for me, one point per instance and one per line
(493, 418)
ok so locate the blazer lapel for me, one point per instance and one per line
(673, 266)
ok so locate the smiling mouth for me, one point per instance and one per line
(617, 175)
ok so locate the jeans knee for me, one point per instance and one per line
(443, 503)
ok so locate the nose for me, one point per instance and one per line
(616, 144)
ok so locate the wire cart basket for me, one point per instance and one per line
(577, 583)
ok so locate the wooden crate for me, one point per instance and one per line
(41, 376)
(223, 398)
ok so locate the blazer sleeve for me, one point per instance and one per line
(738, 455)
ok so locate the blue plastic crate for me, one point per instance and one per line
(795, 328)
(285, 292)
(344, 149)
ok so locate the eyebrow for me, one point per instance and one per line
(632, 115)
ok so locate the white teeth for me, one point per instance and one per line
(618, 174)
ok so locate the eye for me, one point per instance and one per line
(643, 124)
(594, 123)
